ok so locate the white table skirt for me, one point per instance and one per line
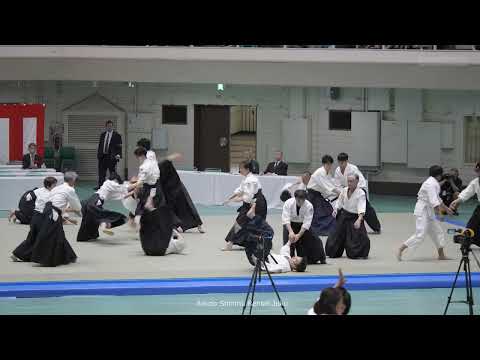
(214, 188)
(13, 187)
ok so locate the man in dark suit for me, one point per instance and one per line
(109, 152)
(278, 166)
(32, 160)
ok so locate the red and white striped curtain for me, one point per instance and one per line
(20, 125)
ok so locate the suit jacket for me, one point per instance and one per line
(26, 161)
(115, 147)
(280, 169)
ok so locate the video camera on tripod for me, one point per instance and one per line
(464, 237)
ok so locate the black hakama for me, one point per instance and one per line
(24, 250)
(144, 194)
(242, 219)
(309, 245)
(51, 247)
(156, 228)
(346, 238)
(93, 214)
(371, 216)
(474, 224)
(25, 210)
(178, 199)
(323, 223)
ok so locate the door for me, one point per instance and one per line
(212, 134)
(82, 131)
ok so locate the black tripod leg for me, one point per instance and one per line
(453, 287)
(253, 278)
(275, 289)
(257, 274)
(468, 286)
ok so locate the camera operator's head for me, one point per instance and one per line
(298, 264)
(436, 172)
(300, 197)
(244, 168)
(331, 302)
(454, 173)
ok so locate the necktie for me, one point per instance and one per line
(32, 160)
(107, 143)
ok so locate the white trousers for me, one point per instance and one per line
(425, 225)
(176, 246)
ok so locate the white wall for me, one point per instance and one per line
(274, 104)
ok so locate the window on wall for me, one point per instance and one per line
(471, 139)
(340, 120)
(174, 114)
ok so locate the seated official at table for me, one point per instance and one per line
(32, 160)
(278, 167)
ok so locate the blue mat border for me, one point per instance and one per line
(226, 285)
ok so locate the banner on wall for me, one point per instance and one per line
(20, 125)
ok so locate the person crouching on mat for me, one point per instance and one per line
(350, 235)
(26, 205)
(472, 189)
(297, 217)
(288, 190)
(329, 302)
(46, 243)
(94, 216)
(428, 205)
(342, 172)
(157, 236)
(249, 192)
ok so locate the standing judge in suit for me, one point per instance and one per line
(278, 166)
(109, 152)
(32, 160)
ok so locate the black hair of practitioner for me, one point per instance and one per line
(342, 157)
(140, 151)
(245, 165)
(115, 177)
(302, 266)
(49, 181)
(435, 171)
(327, 159)
(329, 298)
(347, 300)
(300, 194)
(145, 143)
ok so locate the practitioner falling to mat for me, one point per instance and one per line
(297, 217)
(46, 243)
(157, 236)
(26, 205)
(428, 205)
(342, 172)
(322, 192)
(249, 192)
(186, 216)
(94, 216)
(350, 235)
(289, 189)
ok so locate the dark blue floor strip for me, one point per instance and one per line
(228, 285)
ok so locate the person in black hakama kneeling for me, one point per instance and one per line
(157, 236)
(26, 205)
(46, 243)
(178, 199)
(350, 235)
(94, 216)
(297, 217)
(322, 192)
(249, 192)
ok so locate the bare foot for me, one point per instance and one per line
(201, 229)
(399, 253)
(179, 229)
(11, 216)
(441, 255)
(228, 247)
(106, 229)
(15, 259)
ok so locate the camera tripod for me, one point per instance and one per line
(465, 261)
(256, 276)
